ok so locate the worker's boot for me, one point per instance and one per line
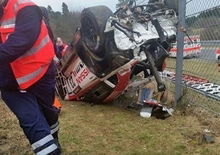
(58, 145)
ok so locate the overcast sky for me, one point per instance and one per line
(76, 4)
(192, 7)
(200, 5)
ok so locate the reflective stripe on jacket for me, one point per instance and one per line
(32, 65)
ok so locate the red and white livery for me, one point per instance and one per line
(217, 54)
(192, 48)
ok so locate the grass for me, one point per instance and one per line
(192, 97)
(113, 130)
(108, 129)
(200, 68)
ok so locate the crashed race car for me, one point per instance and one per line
(110, 49)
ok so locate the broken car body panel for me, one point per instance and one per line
(106, 51)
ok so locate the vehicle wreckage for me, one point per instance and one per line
(110, 49)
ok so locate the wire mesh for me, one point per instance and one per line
(201, 48)
(203, 20)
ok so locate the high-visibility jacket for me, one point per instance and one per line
(31, 66)
(65, 46)
(57, 103)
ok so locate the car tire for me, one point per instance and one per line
(93, 23)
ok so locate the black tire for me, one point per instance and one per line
(93, 22)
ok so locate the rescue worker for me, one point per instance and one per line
(61, 47)
(27, 73)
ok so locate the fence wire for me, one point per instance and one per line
(201, 50)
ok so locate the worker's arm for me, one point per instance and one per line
(27, 29)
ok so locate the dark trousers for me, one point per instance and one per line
(35, 111)
(37, 117)
(36, 114)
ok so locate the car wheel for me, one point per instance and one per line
(93, 22)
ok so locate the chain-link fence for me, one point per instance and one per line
(201, 75)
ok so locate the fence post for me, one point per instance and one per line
(180, 47)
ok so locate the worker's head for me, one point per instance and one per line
(59, 41)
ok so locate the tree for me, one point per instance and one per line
(121, 3)
(65, 9)
(207, 24)
(49, 8)
(63, 24)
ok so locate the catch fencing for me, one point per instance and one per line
(196, 56)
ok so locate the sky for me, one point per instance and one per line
(196, 6)
(76, 4)
(193, 7)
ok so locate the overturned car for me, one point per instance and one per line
(109, 49)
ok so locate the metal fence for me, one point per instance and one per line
(198, 45)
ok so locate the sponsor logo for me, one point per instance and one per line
(78, 69)
(82, 75)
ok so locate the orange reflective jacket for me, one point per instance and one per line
(57, 103)
(31, 66)
(65, 46)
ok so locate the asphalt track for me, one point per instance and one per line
(208, 51)
(208, 54)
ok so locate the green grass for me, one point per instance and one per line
(200, 68)
(112, 130)
(108, 129)
(192, 97)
